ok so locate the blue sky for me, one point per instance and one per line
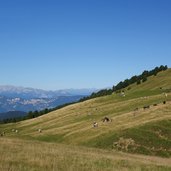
(58, 44)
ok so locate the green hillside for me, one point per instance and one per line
(155, 84)
(140, 131)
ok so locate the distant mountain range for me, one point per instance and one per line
(20, 104)
(29, 99)
(30, 93)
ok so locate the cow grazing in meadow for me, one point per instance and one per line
(164, 102)
(95, 124)
(136, 109)
(146, 107)
(105, 119)
(165, 94)
(122, 94)
(2, 133)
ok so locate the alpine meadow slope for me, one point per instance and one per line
(139, 123)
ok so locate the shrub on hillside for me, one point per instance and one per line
(124, 143)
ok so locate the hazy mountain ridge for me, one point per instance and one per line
(30, 93)
(20, 104)
(14, 98)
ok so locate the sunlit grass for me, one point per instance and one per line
(21, 155)
(72, 126)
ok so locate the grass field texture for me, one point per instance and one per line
(132, 140)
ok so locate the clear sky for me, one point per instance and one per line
(58, 44)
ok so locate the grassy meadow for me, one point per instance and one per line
(132, 140)
(25, 155)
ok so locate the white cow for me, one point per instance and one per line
(95, 124)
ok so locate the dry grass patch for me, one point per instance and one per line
(22, 155)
